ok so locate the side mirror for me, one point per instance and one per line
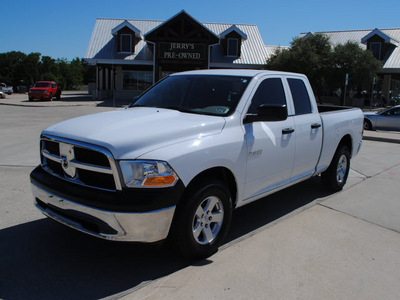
(268, 112)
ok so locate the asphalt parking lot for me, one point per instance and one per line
(300, 243)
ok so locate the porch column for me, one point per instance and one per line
(386, 86)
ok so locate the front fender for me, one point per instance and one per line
(191, 158)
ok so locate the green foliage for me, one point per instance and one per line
(325, 66)
(361, 65)
(309, 56)
(17, 68)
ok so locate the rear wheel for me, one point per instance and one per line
(335, 177)
(30, 98)
(202, 220)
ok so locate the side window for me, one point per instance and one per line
(300, 96)
(270, 91)
(392, 112)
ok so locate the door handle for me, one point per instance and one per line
(287, 131)
(315, 125)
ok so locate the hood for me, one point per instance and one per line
(130, 133)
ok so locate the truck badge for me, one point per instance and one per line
(67, 155)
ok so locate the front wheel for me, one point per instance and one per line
(202, 220)
(335, 177)
(51, 97)
(367, 125)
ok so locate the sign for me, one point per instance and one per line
(182, 51)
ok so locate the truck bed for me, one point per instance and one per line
(338, 122)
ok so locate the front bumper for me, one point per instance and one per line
(39, 96)
(74, 206)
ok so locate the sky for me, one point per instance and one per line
(62, 29)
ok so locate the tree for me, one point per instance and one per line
(17, 68)
(326, 67)
(310, 56)
(359, 64)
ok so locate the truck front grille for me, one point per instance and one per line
(80, 163)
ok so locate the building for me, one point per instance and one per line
(384, 44)
(130, 55)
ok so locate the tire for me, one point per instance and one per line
(202, 220)
(335, 177)
(367, 124)
(51, 97)
(30, 99)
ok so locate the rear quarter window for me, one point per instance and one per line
(300, 96)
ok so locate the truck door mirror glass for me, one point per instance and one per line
(268, 112)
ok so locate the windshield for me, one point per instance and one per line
(42, 84)
(203, 94)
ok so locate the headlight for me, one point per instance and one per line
(46, 91)
(147, 173)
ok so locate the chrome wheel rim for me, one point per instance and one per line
(208, 219)
(341, 169)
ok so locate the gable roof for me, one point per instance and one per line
(182, 12)
(385, 37)
(102, 45)
(357, 36)
(115, 30)
(233, 28)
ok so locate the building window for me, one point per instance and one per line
(137, 80)
(376, 50)
(233, 47)
(126, 43)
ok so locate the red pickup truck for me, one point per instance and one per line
(45, 90)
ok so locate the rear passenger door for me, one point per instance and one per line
(270, 145)
(308, 129)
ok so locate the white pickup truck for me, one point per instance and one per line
(192, 148)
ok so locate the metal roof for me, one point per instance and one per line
(102, 45)
(341, 37)
(271, 50)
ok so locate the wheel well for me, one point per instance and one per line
(346, 141)
(220, 173)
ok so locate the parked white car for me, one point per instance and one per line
(190, 150)
(6, 89)
(2, 95)
(388, 119)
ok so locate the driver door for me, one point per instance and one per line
(270, 145)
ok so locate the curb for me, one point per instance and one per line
(381, 139)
